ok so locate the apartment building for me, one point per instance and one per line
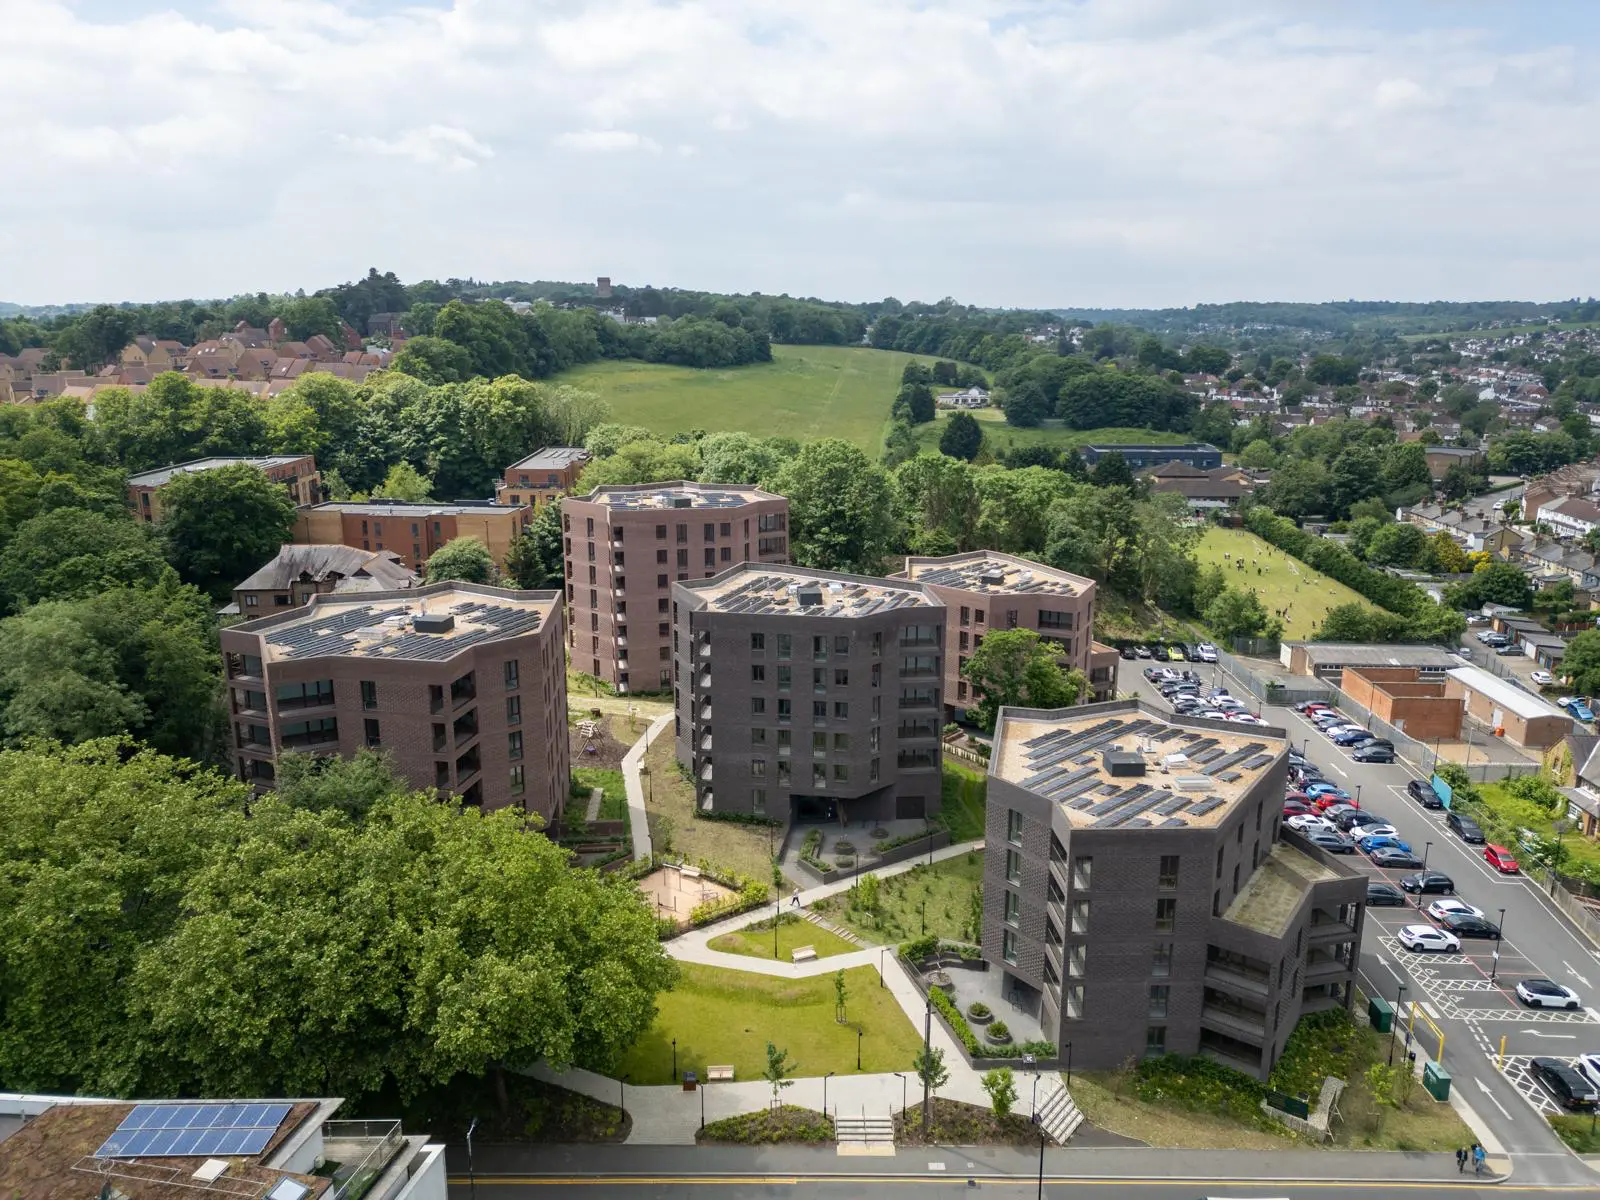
(297, 573)
(297, 472)
(809, 695)
(1141, 455)
(1141, 897)
(543, 476)
(626, 546)
(987, 591)
(412, 530)
(464, 686)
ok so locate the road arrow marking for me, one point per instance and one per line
(1484, 1088)
(1535, 1033)
(1574, 974)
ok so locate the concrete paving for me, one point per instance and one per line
(638, 822)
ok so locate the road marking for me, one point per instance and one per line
(1566, 1037)
(1592, 1014)
(1428, 1008)
(1484, 1088)
(936, 1166)
(1339, 769)
(1574, 974)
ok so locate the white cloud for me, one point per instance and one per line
(1002, 151)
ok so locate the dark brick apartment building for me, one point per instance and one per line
(1141, 897)
(463, 685)
(809, 695)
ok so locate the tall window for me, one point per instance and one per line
(513, 710)
(1155, 1040)
(513, 672)
(1014, 826)
(373, 737)
(369, 694)
(1158, 999)
(1161, 961)
(514, 745)
(1008, 946)
(1013, 867)
(517, 780)
(1168, 878)
(1166, 915)
(1013, 908)
(1082, 871)
(1072, 1002)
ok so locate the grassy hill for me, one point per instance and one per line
(806, 392)
(1283, 582)
(999, 437)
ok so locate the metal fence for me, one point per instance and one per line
(1422, 753)
(1582, 915)
(1251, 678)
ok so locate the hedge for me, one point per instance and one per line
(1333, 560)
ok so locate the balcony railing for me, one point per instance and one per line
(1330, 928)
(1319, 970)
(363, 1151)
(1058, 872)
(1237, 979)
(1241, 1022)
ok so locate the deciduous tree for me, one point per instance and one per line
(840, 508)
(463, 558)
(1018, 667)
(962, 437)
(220, 526)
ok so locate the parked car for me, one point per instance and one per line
(1394, 860)
(1354, 820)
(1384, 894)
(1127, 651)
(1350, 736)
(1500, 859)
(1467, 926)
(1175, 654)
(1326, 800)
(1508, 650)
(1376, 831)
(1464, 828)
(1142, 651)
(1429, 882)
(1321, 787)
(1566, 1084)
(1589, 1065)
(1578, 710)
(1305, 705)
(1426, 937)
(1542, 678)
(1440, 909)
(1208, 652)
(1373, 754)
(1331, 841)
(1422, 792)
(1373, 845)
(1333, 810)
(1306, 822)
(1547, 993)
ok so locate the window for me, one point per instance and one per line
(518, 780)
(872, 771)
(463, 689)
(369, 694)
(682, 534)
(1008, 946)
(1014, 826)
(758, 705)
(841, 773)
(710, 531)
(374, 738)
(785, 677)
(661, 581)
(305, 695)
(1219, 861)
(841, 709)
(758, 768)
(758, 673)
(841, 644)
(683, 560)
(877, 645)
(1013, 866)
(819, 744)
(1235, 879)
(841, 677)
(1167, 880)
(1155, 1040)
(309, 733)
(661, 532)
(1072, 1002)
(514, 745)
(1161, 961)
(252, 601)
(965, 643)
(819, 679)
(1158, 999)
(785, 646)
(841, 743)
(758, 801)
(819, 775)
(819, 710)
(785, 710)
(977, 615)
(1013, 908)
(1082, 871)
(785, 741)
(758, 643)
(758, 736)
(513, 672)
(1216, 903)
(966, 618)
(1080, 916)
(819, 649)
(440, 736)
(1166, 915)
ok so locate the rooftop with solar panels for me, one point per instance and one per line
(1122, 766)
(427, 624)
(762, 589)
(988, 571)
(678, 494)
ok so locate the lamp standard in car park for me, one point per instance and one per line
(1426, 846)
(1494, 961)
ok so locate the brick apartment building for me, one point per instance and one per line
(297, 472)
(987, 591)
(1140, 896)
(412, 530)
(543, 476)
(824, 693)
(463, 685)
(297, 573)
(626, 546)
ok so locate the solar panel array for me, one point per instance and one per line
(338, 633)
(166, 1130)
(662, 499)
(978, 577)
(771, 594)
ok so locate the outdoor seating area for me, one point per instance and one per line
(1020, 1014)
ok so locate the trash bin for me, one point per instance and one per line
(1437, 1080)
(690, 1081)
(1381, 1013)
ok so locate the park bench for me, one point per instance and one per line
(803, 954)
(715, 1073)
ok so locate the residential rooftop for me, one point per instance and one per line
(428, 624)
(677, 494)
(552, 458)
(763, 589)
(359, 570)
(1506, 695)
(992, 573)
(163, 475)
(1124, 765)
(410, 508)
(1271, 895)
(1362, 654)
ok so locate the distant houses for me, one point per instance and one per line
(971, 397)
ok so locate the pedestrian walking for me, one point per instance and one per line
(795, 903)
(1461, 1159)
(1478, 1159)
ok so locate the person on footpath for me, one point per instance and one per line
(1479, 1159)
(1461, 1159)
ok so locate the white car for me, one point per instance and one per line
(1374, 831)
(1542, 678)
(1589, 1065)
(1208, 652)
(1246, 719)
(1440, 909)
(1546, 993)
(1335, 730)
(1426, 937)
(1307, 822)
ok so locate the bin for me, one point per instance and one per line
(1437, 1080)
(690, 1081)
(1381, 1013)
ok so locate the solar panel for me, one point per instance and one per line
(163, 1130)
(1258, 762)
(1229, 776)
(1207, 805)
(1172, 805)
(1237, 756)
(1206, 756)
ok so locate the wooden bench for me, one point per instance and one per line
(803, 953)
(722, 1073)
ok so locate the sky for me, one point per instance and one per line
(1017, 153)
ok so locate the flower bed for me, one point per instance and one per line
(789, 1123)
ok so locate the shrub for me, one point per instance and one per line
(844, 846)
(978, 1010)
(918, 949)
(752, 895)
(1200, 1085)
(1000, 1031)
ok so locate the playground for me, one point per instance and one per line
(1286, 586)
(675, 891)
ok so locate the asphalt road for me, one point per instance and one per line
(922, 1186)
(1467, 997)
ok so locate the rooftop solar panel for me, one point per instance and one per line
(1207, 805)
(1229, 776)
(163, 1130)
(1258, 762)
(1237, 756)
(1172, 805)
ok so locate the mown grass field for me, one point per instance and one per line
(755, 940)
(1284, 584)
(999, 437)
(805, 392)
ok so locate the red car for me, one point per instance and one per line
(1500, 859)
(1328, 800)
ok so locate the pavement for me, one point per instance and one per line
(638, 821)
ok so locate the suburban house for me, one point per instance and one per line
(1202, 490)
(543, 476)
(298, 573)
(1570, 516)
(1442, 458)
(970, 397)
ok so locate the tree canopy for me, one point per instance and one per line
(1017, 667)
(219, 526)
(463, 558)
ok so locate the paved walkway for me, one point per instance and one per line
(592, 813)
(638, 822)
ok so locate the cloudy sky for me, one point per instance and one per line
(1005, 152)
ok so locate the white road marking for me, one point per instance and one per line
(1429, 1009)
(1592, 1014)
(939, 1166)
(1484, 1088)
(1574, 974)
(1340, 769)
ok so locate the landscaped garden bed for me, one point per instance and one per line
(789, 1123)
(755, 940)
(944, 900)
(956, 1123)
(535, 1111)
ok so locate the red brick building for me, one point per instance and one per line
(297, 472)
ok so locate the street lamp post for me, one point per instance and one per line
(622, 1095)
(702, 1091)
(1039, 1125)
(674, 1060)
(922, 918)
(902, 1080)
(1069, 1064)
(858, 1047)
(927, 1076)
(1426, 846)
(825, 1079)
(1030, 1062)
(1358, 795)
(472, 1179)
(1555, 863)
(881, 953)
(777, 919)
(1400, 998)
(1494, 960)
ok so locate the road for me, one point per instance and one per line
(1468, 997)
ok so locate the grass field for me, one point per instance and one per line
(805, 392)
(1284, 584)
(936, 899)
(999, 437)
(719, 1016)
(669, 805)
(963, 801)
(755, 940)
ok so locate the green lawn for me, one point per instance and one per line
(999, 437)
(805, 392)
(963, 792)
(793, 932)
(614, 804)
(936, 899)
(1284, 583)
(720, 1016)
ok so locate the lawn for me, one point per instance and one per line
(1284, 584)
(755, 940)
(937, 899)
(963, 792)
(999, 437)
(805, 392)
(1577, 852)
(614, 803)
(669, 804)
(719, 1016)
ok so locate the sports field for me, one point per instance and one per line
(1286, 585)
(998, 437)
(805, 392)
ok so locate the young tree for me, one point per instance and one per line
(933, 1075)
(1018, 667)
(778, 1070)
(404, 482)
(841, 993)
(962, 437)
(1581, 663)
(220, 526)
(1002, 1088)
(463, 558)
(535, 559)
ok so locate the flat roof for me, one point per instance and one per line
(1108, 446)
(1508, 696)
(410, 508)
(1195, 770)
(761, 589)
(552, 457)
(989, 572)
(163, 475)
(678, 494)
(1364, 654)
(1270, 897)
(383, 625)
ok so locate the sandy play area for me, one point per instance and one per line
(676, 891)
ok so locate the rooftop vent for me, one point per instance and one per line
(682, 502)
(211, 1170)
(810, 597)
(433, 622)
(1121, 762)
(992, 578)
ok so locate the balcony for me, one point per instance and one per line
(704, 681)
(362, 1151)
(1241, 1056)
(704, 650)
(705, 773)
(705, 742)
(1321, 970)
(1058, 872)
(1058, 912)
(1237, 979)
(1324, 929)
(1230, 1017)
(705, 711)
(1052, 953)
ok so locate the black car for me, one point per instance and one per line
(1333, 843)
(1394, 858)
(1564, 1083)
(1422, 792)
(1465, 828)
(1360, 816)
(1427, 882)
(1370, 752)
(1385, 894)
(1465, 925)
